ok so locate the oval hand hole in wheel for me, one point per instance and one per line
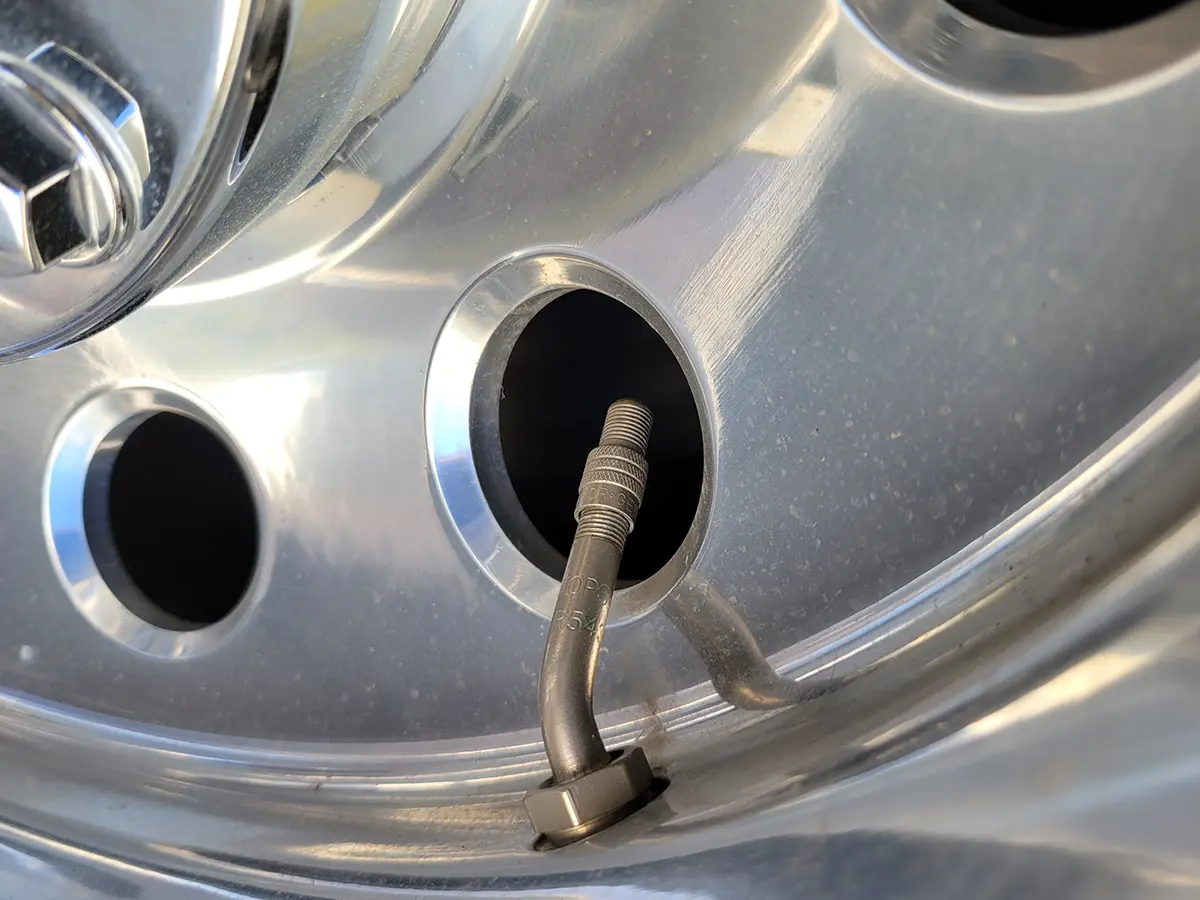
(577, 355)
(170, 521)
(1062, 17)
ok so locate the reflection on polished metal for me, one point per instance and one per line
(39, 167)
(590, 788)
(934, 287)
(107, 168)
(64, 199)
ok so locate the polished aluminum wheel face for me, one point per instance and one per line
(931, 288)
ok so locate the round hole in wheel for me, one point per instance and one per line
(1062, 17)
(171, 522)
(579, 353)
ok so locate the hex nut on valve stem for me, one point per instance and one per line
(591, 788)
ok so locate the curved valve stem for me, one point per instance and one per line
(591, 788)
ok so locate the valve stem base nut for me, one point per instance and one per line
(568, 812)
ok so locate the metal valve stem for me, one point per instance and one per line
(591, 788)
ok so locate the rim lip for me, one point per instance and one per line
(461, 418)
(115, 413)
(949, 49)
